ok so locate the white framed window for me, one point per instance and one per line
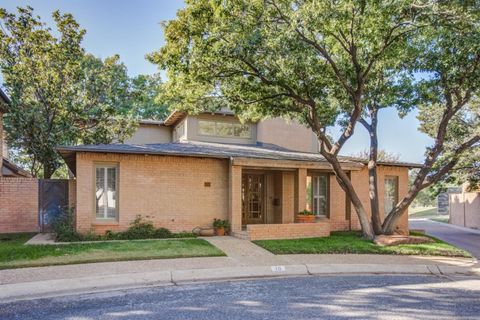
(317, 194)
(223, 129)
(390, 194)
(106, 188)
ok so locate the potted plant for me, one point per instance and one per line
(221, 226)
(305, 216)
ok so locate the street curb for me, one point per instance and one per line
(63, 287)
(238, 273)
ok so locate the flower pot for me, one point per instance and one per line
(305, 218)
(220, 231)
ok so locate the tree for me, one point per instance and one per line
(320, 62)
(143, 102)
(382, 155)
(448, 93)
(60, 95)
(312, 60)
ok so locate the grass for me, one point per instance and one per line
(351, 242)
(14, 254)
(422, 212)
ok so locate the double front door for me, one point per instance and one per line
(253, 204)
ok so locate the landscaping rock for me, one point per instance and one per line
(394, 240)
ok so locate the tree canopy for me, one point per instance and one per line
(329, 63)
(61, 95)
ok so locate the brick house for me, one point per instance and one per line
(189, 169)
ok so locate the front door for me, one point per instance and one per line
(253, 206)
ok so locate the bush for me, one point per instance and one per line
(184, 235)
(162, 233)
(64, 227)
(140, 228)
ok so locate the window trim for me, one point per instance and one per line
(117, 192)
(397, 197)
(215, 122)
(327, 196)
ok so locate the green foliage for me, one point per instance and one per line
(329, 63)
(140, 228)
(162, 233)
(305, 213)
(219, 223)
(143, 102)
(59, 94)
(64, 227)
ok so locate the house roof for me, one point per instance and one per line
(196, 149)
(152, 122)
(410, 165)
(175, 116)
(9, 169)
(205, 150)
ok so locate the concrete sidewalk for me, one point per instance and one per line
(244, 260)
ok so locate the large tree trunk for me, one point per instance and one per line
(372, 173)
(48, 171)
(346, 185)
(391, 220)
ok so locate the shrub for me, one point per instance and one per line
(64, 227)
(162, 233)
(139, 229)
(184, 234)
(305, 213)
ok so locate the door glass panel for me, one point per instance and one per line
(319, 195)
(252, 199)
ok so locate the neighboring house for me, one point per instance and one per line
(189, 169)
(7, 168)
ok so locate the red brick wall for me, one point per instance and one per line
(288, 231)
(18, 205)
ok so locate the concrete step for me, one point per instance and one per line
(241, 235)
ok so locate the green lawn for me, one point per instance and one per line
(422, 212)
(352, 242)
(14, 254)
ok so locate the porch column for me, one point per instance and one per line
(300, 190)
(288, 196)
(235, 198)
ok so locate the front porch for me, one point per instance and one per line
(264, 201)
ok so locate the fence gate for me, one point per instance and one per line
(52, 197)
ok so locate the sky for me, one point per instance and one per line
(132, 30)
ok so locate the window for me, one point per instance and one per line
(106, 191)
(223, 129)
(179, 131)
(317, 194)
(391, 194)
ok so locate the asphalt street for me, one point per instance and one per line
(325, 297)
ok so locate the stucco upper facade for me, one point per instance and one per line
(287, 134)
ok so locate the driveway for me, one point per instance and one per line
(461, 237)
